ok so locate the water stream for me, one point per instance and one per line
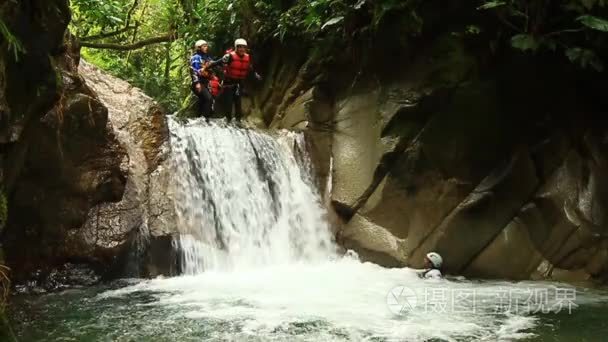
(243, 199)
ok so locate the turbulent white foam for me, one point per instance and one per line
(243, 200)
(343, 300)
(259, 261)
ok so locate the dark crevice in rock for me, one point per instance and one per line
(587, 244)
(384, 167)
(298, 85)
(475, 255)
(581, 227)
(547, 254)
(483, 203)
(430, 231)
(418, 111)
(542, 175)
(563, 243)
(344, 211)
(382, 170)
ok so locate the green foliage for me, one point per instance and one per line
(573, 26)
(472, 29)
(93, 16)
(215, 21)
(585, 58)
(158, 69)
(161, 70)
(491, 4)
(524, 42)
(593, 22)
(309, 19)
(14, 44)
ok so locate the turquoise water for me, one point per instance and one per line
(338, 301)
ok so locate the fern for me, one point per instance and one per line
(14, 44)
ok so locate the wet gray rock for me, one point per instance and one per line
(77, 157)
(66, 276)
(145, 212)
(430, 156)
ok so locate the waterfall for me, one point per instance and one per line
(244, 199)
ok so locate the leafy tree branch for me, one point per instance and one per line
(108, 34)
(169, 37)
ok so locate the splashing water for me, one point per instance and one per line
(259, 265)
(340, 300)
(243, 200)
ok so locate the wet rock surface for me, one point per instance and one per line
(64, 162)
(433, 157)
(81, 160)
(500, 169)
(145, 212)
(64, 277)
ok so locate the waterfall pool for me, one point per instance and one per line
(341, 300)
(259, 264)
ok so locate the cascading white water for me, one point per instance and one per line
(245, 204)
(244, 199)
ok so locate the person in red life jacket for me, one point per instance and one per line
(200, 77)
(237, 66)
(214, 85)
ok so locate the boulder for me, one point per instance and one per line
(373, 242)
(145, 213)
(64, 164)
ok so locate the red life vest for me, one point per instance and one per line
(214, 86)
(238, 67)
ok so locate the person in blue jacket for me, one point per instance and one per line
(200, 78)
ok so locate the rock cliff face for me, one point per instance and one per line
(497, 165)
(497, 168)
(141, 224)
(81, 158)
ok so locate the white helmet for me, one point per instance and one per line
(200, 43)
(435, 259)
(240, 41)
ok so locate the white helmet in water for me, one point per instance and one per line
(200, 43)
(240, 41)
(435, 259)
